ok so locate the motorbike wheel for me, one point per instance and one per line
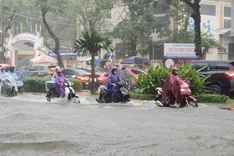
(192, 104)
(75, 99)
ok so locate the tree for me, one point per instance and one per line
(92, 41)
(91, 13)
(136, 30)
(8, 16)
(195, 5)
(52, 6)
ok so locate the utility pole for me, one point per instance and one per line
(2, 37)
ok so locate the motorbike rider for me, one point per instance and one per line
(3, 73)
(17, 77)
(171, 88)
(55, 73)
(124, 74)
(9, 79)
(59, 83)
(113, 79)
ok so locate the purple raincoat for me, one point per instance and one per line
(59, 81)
(112, 79)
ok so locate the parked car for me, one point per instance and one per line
(221, 80)
(84, 75)
(42, 70)
(4, 65)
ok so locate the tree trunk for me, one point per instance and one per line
(55, 38)
(197, 21)
(92, 89)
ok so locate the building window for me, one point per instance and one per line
(207, 9)
(227, 11)
(227, 23)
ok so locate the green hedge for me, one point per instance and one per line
(203, 98)
(37, 84)
(212, 98)
(142, 96)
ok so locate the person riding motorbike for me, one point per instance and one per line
(59, 83)
(17, 77)
(55, 73)
(113, 79)
(126, 76)
(171, 88)
(7, 82)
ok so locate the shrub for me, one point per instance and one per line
(37, 84)
(142, 96)
(202, 98)
(211, 98)
(156, 77)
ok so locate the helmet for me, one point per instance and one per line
(175, 70)
(3, 68)
(12, 68)
(57, 67)
(114, 69)
(59, 71)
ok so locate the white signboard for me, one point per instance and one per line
(23, 37)
(179, 50)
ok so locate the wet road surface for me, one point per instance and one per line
(32, 126)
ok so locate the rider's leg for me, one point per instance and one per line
(114, 96)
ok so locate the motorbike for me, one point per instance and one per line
(122, 94)
(187, 99)
(8, 88)
(70, 94)
(20, 85)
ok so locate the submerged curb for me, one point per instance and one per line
(231, 109)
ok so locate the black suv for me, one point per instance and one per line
(221, 80)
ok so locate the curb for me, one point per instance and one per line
(231, 109)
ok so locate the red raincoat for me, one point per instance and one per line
(172, 83)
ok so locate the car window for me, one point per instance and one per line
(81, 72)
(137, 72)
(38, 68)
(220, 66)
(31, 68)
(201, 65)
(232, 66)
(68, 72)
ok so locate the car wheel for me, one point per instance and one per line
(215, 89)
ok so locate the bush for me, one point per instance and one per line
(77, 84)
(142, 96)
(211, 98)
(156, 77)
(203, 98)
(37, 84)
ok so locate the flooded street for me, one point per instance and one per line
(32, 126)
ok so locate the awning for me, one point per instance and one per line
(223, 31)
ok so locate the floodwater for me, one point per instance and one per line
(32, 126)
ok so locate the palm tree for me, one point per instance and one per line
(92, 41)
